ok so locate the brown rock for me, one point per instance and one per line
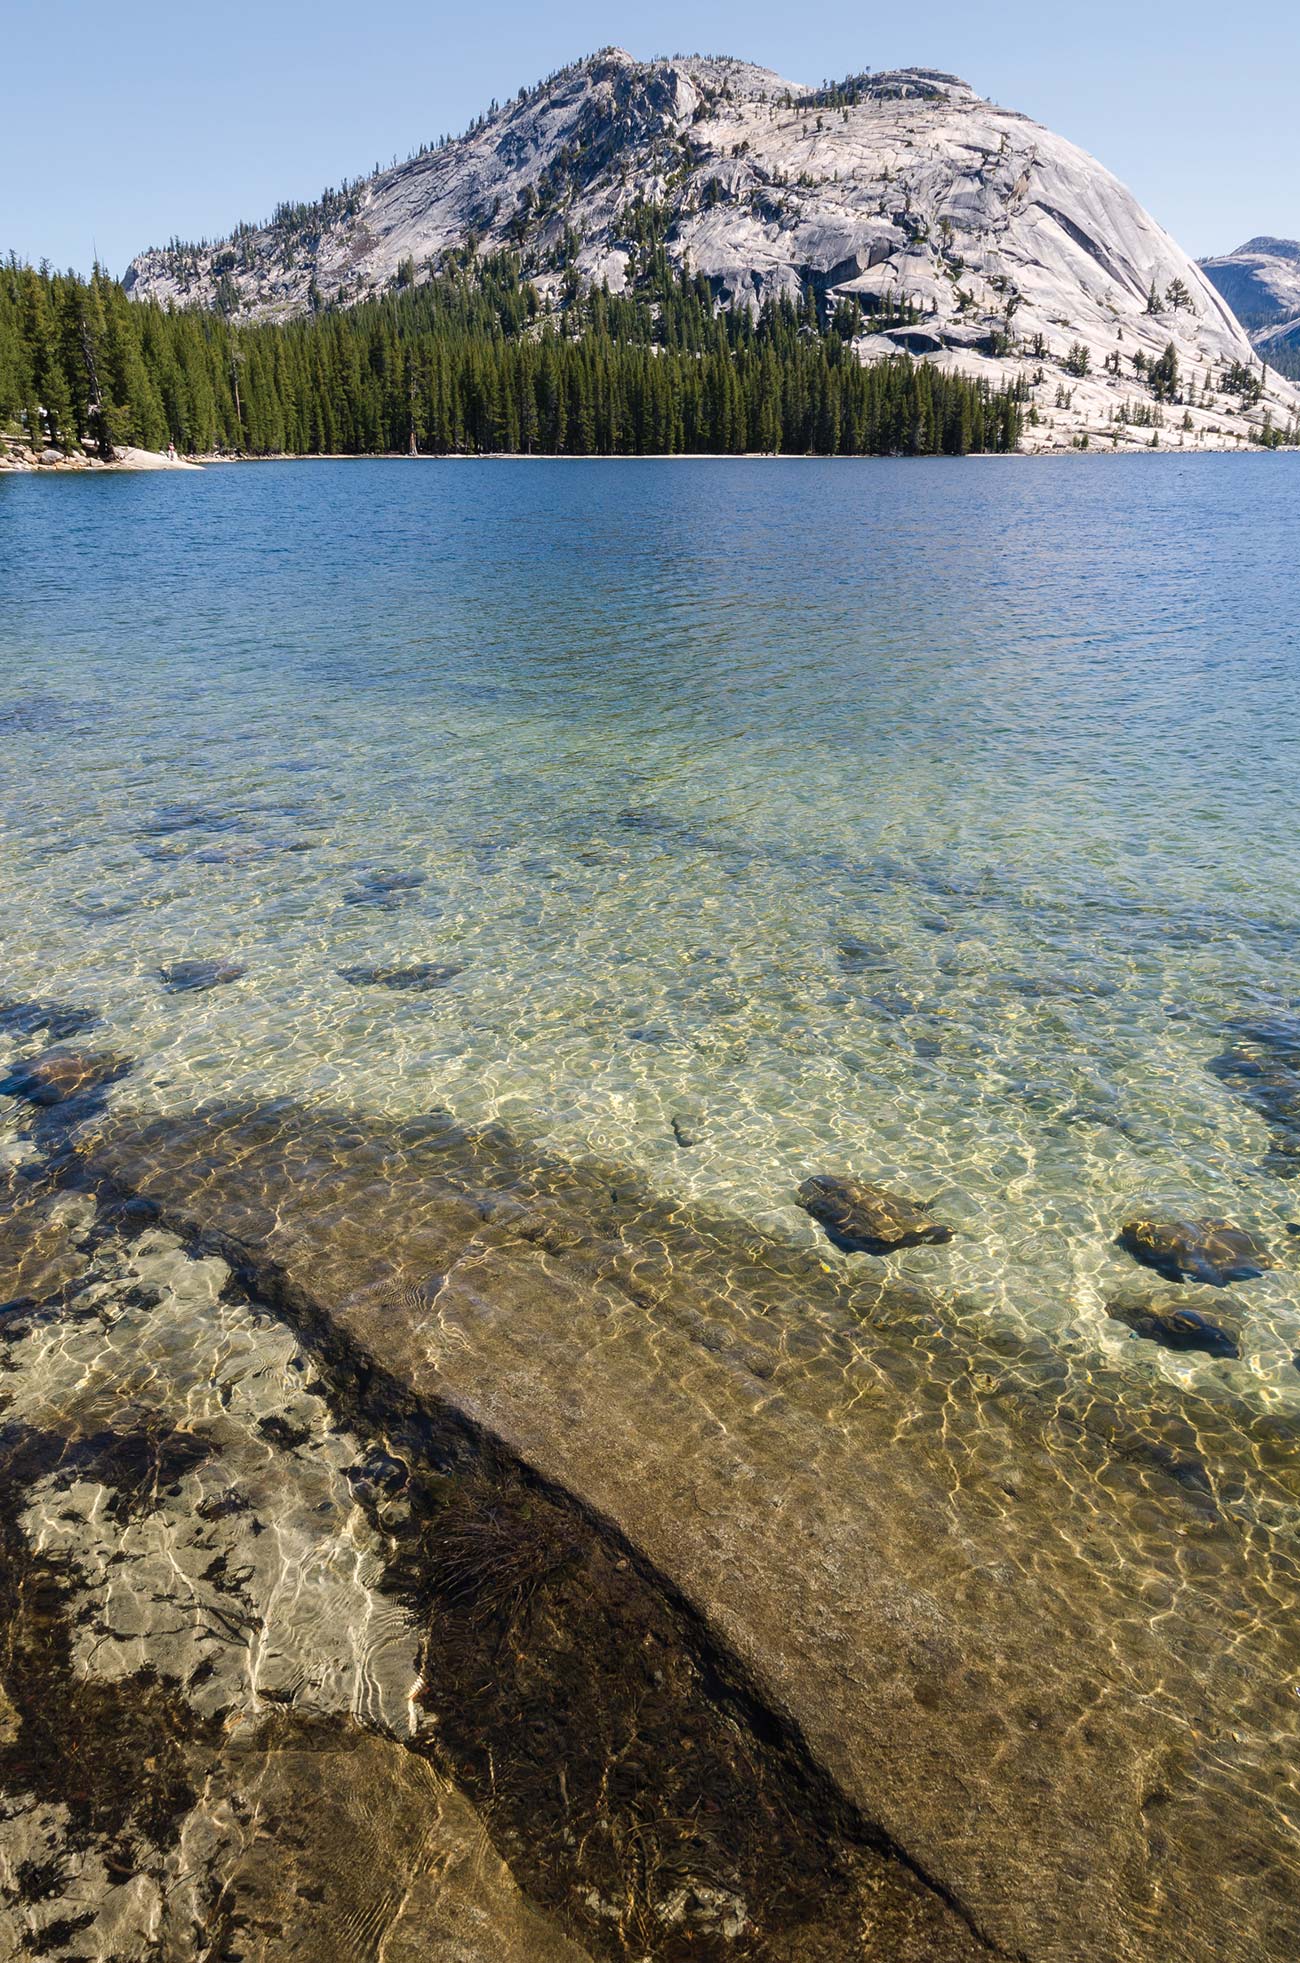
(861, 1218)
(38, 1252)
(1212, 1251)
(59, 1075)
(1190, 1320)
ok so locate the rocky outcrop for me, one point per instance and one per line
(968, 234)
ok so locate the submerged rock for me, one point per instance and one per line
(56, 1019)
(39, 1236)
(383, 890)
(58, 1076)
(1182, 1322)
(392, 882)
(864, 1219)
(190, 977)
(323, 1842)
(1060, 988)
(858, 957)
(645, 819)
(896, 1003)
(171, 1580)
(33, 715)
(1212, 1251)
(187, 818)
(1262, 1066)
(417, 976)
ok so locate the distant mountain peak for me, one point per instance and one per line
(1270, 248)
(1261, 283)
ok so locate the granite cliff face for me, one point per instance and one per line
(1261, 283)
(969, 234)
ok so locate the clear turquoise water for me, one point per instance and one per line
(658, 739)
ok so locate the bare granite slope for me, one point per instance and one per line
(1020, 254)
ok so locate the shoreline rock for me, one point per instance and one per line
(62, 462)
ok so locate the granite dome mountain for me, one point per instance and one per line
(965, 233)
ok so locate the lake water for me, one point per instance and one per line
(932, 823)
(498, 886)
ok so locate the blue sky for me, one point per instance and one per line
(126, 123)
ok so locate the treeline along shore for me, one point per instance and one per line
(471, 361)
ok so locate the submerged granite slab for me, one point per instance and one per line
(182, 1558)
(327, 1844)
(38, 1241)
(1038, 1625)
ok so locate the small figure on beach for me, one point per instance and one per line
(171, 451)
